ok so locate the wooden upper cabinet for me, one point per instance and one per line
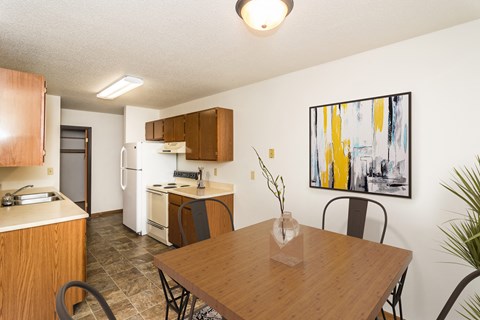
(158, 130)
(168, 129)
(192, 136)
(174, 129)
(149, 131)
(22, 120)
(154, 130)
(179, 128)
(209, 135)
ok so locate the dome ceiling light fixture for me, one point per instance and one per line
(263, 14)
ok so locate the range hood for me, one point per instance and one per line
(173, 147)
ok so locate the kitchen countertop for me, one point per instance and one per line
(212, 189)
(39, 214)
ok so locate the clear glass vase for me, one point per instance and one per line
(286, 240)
(285, 228)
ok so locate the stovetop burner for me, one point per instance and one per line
(170, 185)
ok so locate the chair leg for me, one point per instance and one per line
(400, 307)
(180, 307)
(383, 315)
(192, 307)
(394, 312)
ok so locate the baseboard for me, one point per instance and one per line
(106, 213)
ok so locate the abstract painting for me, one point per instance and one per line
(362, 145)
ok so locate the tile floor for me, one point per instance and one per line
(120, 266)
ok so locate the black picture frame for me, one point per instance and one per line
(362, 146)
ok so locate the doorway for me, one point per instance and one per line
(76, 164)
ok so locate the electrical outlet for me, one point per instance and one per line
(50, 171)
(252, 175)
(214, 171)
(271, 153)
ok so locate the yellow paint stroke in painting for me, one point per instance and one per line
(378, 114)
(340, 157)
(328, 161)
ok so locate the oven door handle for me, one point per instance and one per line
(160, 193)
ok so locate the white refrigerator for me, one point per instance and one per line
(142, 165)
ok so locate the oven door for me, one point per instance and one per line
(157, 207)
(157, 215)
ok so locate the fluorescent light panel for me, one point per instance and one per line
(120, 87)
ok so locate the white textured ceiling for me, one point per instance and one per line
(187, 49)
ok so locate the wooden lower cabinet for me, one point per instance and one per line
(35, 263)
(217, 221)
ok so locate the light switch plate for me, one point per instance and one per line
(214, 171)
(252, 175)
(50, 171)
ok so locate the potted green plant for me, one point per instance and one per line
(463, 234)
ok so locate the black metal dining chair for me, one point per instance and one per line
(357, 217)
(61, 308)
(454, 296)
(198, 209)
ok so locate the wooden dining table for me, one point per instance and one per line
(341, 277)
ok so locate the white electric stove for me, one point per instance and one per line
(157, 207)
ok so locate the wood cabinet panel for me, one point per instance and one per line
(208, 134)
(175, 199)
(71, 259)
(22, 106)
(192, 136)
(34, 263)
(174, 235)
(218, 220)
(174, 129)
(179, 128)
(168, 130)
(224, 134)
(158, 130)
(149, 131)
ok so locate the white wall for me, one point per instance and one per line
(440, 69)
(16, 177)
(134, 122)
(107, 133)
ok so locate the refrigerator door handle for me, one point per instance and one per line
(123, 183)
(123, 179)
(123, 158)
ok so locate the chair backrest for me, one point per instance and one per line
(453, 297)
(61, 308)
(200, 218)
(357, 215)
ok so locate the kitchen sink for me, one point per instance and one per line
(36, 198)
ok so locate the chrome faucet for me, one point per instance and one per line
(7, 199)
